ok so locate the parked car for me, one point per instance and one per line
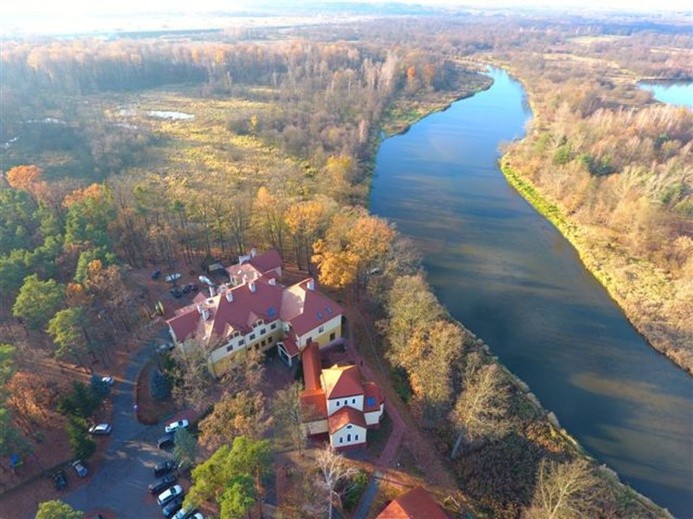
(100, 430)
(172, 507)
(165, 441)
(108, 380)
(180, 424)
(188, 513)
(80, 469)
(161, 484)
(164, 467)
(156, 274)
(176, 292)
(60, 480)
(167, 495)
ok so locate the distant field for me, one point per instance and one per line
(589, 40)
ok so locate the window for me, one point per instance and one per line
(241, 342)
(332, 336)
(251, 337)
(229, 348)
(263, 331)
(370, 401)
(348, 437)
(321, 329)
(356, 437)
(273, 326)
(349, 426)
(337, 403)
(353, 400)
(341, 440)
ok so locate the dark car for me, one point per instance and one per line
(162, 484)
(165, 441)
(164, 468)
(176, 292)
(156, 274)
(172, 507)
(60, 480)
(80, 469)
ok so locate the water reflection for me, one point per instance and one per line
(508, 275)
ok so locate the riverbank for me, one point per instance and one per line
(630, 282)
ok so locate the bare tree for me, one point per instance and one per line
(334, 470)
(564, 490)
(193, 381)
(482, 406)
(286, 408)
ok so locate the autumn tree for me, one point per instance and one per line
(38, 301)
(267, 218)
(567, 490)
(333, 470)
(192, 380)
(482, 407)
(56, 509)
(236, 414)
(306, 221)
(355, 244)
(27, 178)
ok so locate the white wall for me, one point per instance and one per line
(352, 401)
(373, 417)
(313, 334)
(348, 435)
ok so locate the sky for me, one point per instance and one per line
(41, 16)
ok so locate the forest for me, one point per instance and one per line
(271, 144)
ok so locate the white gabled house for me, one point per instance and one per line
(255, 312)
(337, 401)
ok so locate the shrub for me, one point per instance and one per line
(80, 441)
(99, 387)
(81, 402)
(357, 485)
(159, 386)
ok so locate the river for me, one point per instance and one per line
(510, 277)
(677, 93)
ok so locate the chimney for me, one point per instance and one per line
(229, 295)
(311, 284)
(251, 285)
(253, 252)
(272, 281)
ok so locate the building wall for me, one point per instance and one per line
(333, 326)
(317, 427)
(348, 435)
(374, 417)
(335, 404)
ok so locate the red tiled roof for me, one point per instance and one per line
(310, 358)
(342, 381)
(313, 405)
(185, 323)
(346, 415)
(307, 309)
(371, 390)
(239, 274)
(415, 504)
(267, 261)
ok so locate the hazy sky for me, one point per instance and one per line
(43, 8)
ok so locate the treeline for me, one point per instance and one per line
(619, 169)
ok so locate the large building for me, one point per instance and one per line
(337, 401)
(255, 312)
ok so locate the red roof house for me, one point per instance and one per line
(415, 504)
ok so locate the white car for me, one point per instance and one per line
(102, 429)
(108, 380)
(169, 494)
(173, 426)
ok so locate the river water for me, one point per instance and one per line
(678, 93)
(510, 277)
